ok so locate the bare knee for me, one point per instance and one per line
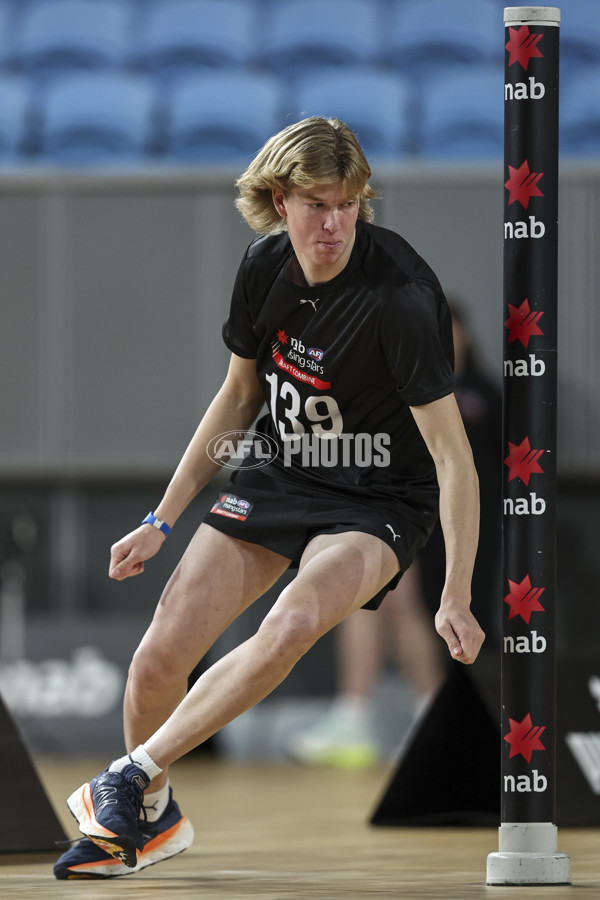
(153, 673)
(289, 631)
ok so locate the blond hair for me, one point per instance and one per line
(313, 151)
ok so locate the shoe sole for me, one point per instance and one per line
(164, 846)
(121, 847)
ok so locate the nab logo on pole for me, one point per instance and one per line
(522, 184)
(523, 599)
(522, 46)
(524, 737)
(522, 324)
(522, 461)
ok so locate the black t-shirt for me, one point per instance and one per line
(341, 363)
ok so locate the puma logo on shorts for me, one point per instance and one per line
(393, 532)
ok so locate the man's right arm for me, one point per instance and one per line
(234, 408)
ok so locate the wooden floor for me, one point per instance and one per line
(276, 832)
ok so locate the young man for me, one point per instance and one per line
(345, 333)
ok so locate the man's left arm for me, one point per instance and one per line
(441, 426)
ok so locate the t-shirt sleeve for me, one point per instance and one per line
(416, 335)
(238, 331)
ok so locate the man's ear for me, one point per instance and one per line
(279, 202)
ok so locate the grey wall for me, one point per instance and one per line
(114, 289)
(113, 295)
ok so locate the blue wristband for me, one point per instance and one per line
(158, 523)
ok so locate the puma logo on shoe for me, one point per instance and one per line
(140, 781)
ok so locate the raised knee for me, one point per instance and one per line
(290, 631)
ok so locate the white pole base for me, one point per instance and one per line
(528, 854)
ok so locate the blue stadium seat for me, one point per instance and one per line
(178, 36)
(98, 118)
(222, 116)
(463, 114)
(378, 106)
(420, 36)
(58, 36)
(579, 33)
(298, 35)
(6, 31)
(579, 121)
(15, 118)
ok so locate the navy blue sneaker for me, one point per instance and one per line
(108, 808)
(168, 836)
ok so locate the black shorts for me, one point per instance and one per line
(284, 517)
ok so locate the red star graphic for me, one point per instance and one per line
(523, 461)
(523, 599)
(522, 45)
(524, 737)
(522, 323)
(282, 336)
(522, 184)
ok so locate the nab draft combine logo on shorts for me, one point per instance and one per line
(522, 461)
(522, 184)
(232, 507)
(231, 447)
(523, 599)
(522, 46)
(524, 737)
(522, 324)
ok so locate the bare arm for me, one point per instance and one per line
(235, 406)
(442, 428)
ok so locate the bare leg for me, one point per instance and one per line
(217, 578)
(359, 648)
(338, 574)
(417, 644)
